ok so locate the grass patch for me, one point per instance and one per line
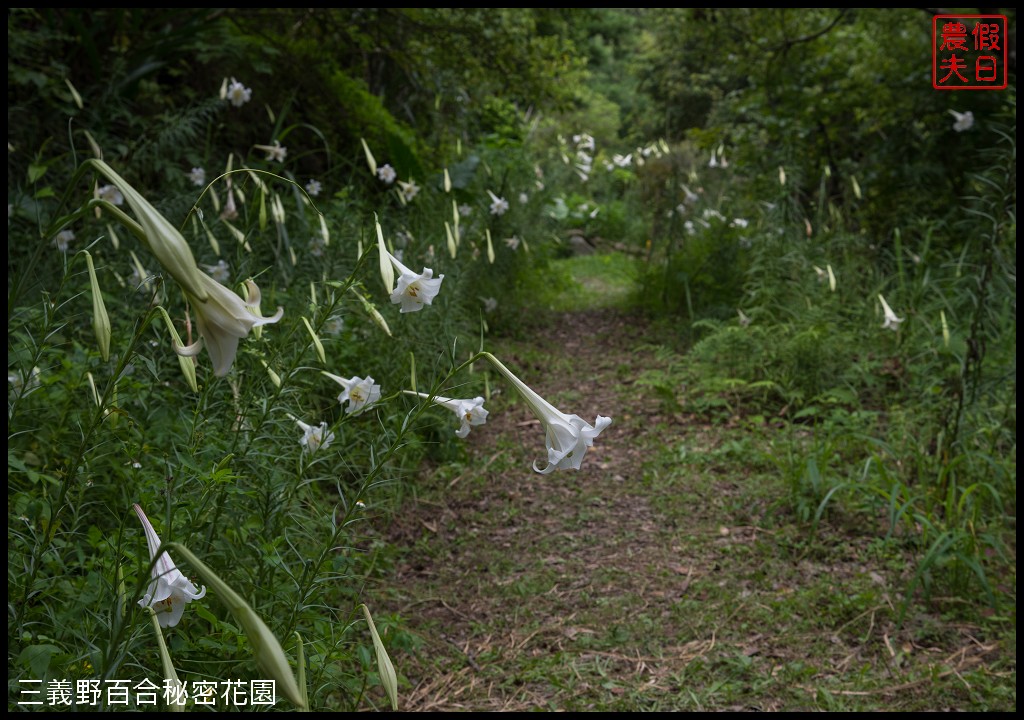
(594, 282)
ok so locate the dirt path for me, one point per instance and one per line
(647, 580)
(515, 565)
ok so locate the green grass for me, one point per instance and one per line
(595, 281)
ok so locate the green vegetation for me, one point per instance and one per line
(757, 239)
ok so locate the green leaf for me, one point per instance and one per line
(35, 172)
(37, 658)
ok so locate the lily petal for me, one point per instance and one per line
(169, 591)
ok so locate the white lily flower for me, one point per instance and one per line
(359, 392)
(499, 205)
(408, 189)
(170, 591)
(386, 174)
(334, 325)
(962, 121)
(314, 187)
(465, 210)
(274, 152)
(63, 240)
(219, 272)
(238, 94)
(111, 194)
(584, 141)
(567, 436)
(197, 176)
(414, 291)
(314, 437)
(744, 318)
(713, 162)
(891, 321)
(223, 319)
(469, 412)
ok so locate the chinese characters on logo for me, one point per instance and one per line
(969, 52)
(112, 693)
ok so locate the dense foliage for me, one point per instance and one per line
(774, 175)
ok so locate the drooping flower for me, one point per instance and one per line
(962, 121)
(63, 240)
(238, 94)
(359, 392)
(691, 196)
(499, 205)
(386, 174)
(274, 152)
(469, 412)
(314, 437)
(111, 194)
(223, 319)
(891, 321)
(314, 187)
(409, 189)
(713, 162)
(197, 176)
(567, 436)
(230, 210)
(169, 591)
(413, 291)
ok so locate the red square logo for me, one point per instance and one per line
(969, 52)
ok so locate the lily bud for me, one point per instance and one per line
(370, 161)
(387, 273)
(451, 239)
(163, 239)
(265, 647)
(319, 346)
(100, 319)
(386, 671)
(188, 368)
